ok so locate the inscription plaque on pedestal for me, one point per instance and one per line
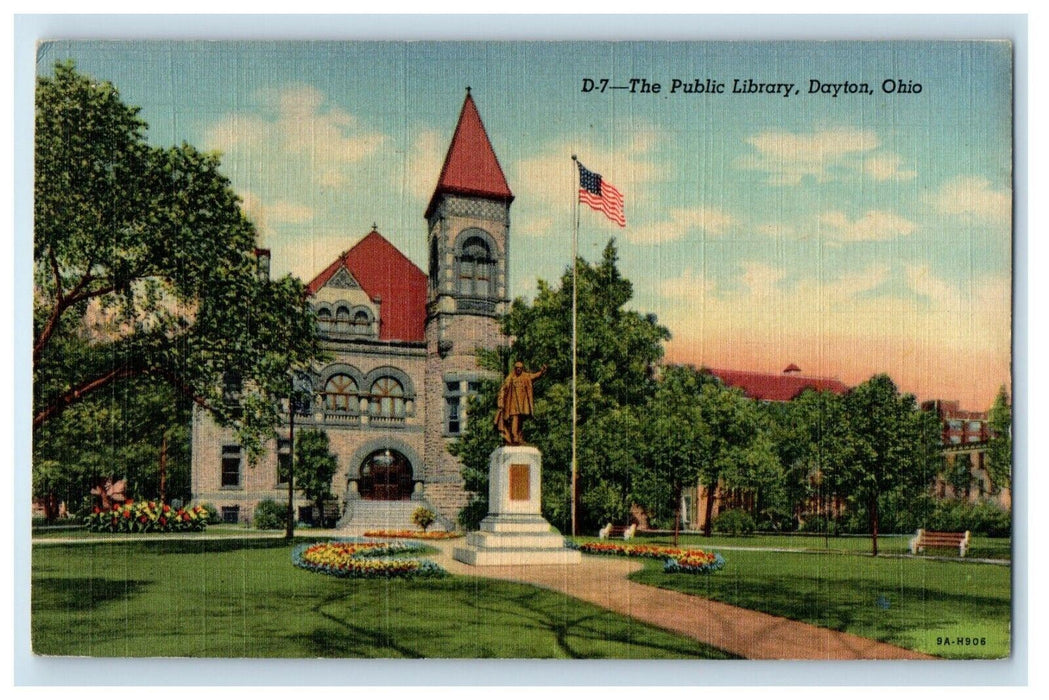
(519, 477)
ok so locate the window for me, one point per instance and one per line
(231, 465)
(283, 460)
(476, 266)
(231, 514)
(362, 325)
(388, 398)
(342, 319)
(455, 404)
(341, 394)
(453, 425)
(324, 320)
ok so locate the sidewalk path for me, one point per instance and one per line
(747, 633)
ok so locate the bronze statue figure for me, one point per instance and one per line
(516, 401)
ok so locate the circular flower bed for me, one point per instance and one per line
(675, 559)
(146, 516)
(360, 559)
(414, 534)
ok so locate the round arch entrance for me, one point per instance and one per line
(385, 475)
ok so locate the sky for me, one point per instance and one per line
(851, 234)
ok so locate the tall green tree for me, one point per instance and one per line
(960, 475)
(145, 266)
(618, 350)
(894, 448)
(315, 465)
(1000, 444)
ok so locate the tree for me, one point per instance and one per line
(960, 475)
(618, 350)
(894, 448)
(810, 439)
(315, 466)
(1000, 444)
(135, 430)
(145, 267)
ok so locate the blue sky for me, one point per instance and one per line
(849, 235)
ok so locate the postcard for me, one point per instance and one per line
(523, 350)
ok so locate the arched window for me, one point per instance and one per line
(435, 264)
(324, 319)
(341, 394)
(387, 398)
(362, 324)
(342, 319)
(476, 267)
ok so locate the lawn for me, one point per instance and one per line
(243, 598)
(916, 603)
(980, 547)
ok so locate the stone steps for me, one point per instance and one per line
(363, 515)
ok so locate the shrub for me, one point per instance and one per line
(734, 522)
(473, 513)
(147, 516)
(423, 517)
(983, 518)
(214, 514)
(270, 515)
(820, 524)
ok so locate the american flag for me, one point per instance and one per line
(600, 195)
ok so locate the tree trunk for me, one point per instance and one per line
(709, 515)
(50, 507)
(677, 513)
(163, 466)
(874, 525)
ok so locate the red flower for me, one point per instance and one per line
(127, 513)
(96, 510)
(116, 506)
(142, 518)
(152, 504)
(167, 508)
(128, 502)
(163, 520)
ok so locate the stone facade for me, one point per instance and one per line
(403, 347)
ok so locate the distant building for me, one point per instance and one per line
(403, 346)
(761, 386)
(965, 433)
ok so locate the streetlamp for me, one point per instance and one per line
(300, 400)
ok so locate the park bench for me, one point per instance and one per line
(611, 531)
(924, 539)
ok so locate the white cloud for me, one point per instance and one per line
(426, 153)
(874, 225)
(300, 126)
(679, 223)
(973, 197)
(266, 214)
(886, 166)
(790, 157)
(687, 286)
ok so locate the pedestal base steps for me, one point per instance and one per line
(505, 540)
(515, 533)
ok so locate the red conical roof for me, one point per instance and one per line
(470, 167)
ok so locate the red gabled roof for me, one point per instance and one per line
(385, 273)
(776, 387)
(470, 166)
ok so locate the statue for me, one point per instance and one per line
(516, 400)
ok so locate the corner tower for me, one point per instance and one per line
(468, 237)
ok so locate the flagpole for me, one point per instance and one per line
(575, 297)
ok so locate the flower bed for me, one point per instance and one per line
(147, 516)
(675, 559)
(414, 534)
(360, 559)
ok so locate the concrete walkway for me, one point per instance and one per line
(747, 633)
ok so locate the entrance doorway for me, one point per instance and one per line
(386, 475)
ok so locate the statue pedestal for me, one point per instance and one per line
(515, 532)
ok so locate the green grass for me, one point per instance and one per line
(243, 598)
(909, 602)
(980, 548)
